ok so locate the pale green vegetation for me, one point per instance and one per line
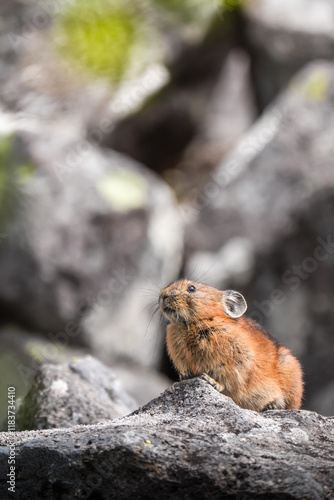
(97, 36)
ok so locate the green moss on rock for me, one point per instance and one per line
(98, 36)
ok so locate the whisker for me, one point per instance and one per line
(149, 323)
(157, 284)
(147, 292)
(150, 306)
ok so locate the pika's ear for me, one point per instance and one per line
(234, 303)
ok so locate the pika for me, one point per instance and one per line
(208, 335)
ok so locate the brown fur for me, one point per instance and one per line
(249, 366)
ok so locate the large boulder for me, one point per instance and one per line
(92, 230)
(263, 225)
(283, 36)
(191, 442)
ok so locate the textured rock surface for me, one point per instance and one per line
(115, 227)
(283, 36)
(191, 442)
(264, 226)
(81, 392)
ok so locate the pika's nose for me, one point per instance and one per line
(162, 298)
(167, 299)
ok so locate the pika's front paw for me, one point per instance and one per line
(212, 382)
(272, 406)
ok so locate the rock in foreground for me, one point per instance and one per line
(191, 442)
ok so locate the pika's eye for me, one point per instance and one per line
(191, 289)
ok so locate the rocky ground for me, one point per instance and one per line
(190, 442)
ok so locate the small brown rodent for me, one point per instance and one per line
(208, 336)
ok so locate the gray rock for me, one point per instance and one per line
(21, 355)
(191, 442)
(263, 223)
(283, 36)
(94, 230)
(81, 392)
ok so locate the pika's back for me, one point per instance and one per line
(208, 334)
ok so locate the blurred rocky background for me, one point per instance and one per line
(146, 140)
